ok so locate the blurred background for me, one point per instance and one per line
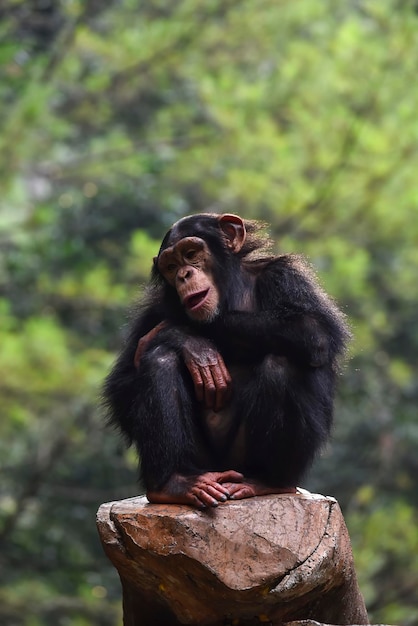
(119, 117)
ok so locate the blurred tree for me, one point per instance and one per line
(116, 119)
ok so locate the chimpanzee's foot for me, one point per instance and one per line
(200, 490)
(249, 488)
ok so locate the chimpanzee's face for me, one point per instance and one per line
(187, 266)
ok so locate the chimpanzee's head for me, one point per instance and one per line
(191, 257)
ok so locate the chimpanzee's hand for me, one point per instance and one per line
(200, 490)
(145, 340)
(211, 379)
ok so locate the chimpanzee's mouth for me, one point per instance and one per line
(195, 300)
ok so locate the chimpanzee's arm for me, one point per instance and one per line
(210, 376)
(211, 379)
(298, 336)
(120, 388)
(294, 316)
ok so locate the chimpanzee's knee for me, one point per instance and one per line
(160, 360)
(274, 371)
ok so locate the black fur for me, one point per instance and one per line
(289, 345)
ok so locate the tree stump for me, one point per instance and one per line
(270, 559)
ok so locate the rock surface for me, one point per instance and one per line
(270, 559)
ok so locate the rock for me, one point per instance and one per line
(270, 559)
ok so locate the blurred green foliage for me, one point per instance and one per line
(116, 119)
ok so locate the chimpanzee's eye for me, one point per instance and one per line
(171, 267)
(190, 255)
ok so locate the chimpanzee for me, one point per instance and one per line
(231, 362)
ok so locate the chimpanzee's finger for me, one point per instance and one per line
(203, 497)
(223, 384)
(241, 492)
(198, 383)
(221, 388)
(217, 491)
(227, 378)
(229, 476)
(209, 387)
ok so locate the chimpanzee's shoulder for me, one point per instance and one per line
(282, 264)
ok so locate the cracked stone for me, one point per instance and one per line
(271, 559)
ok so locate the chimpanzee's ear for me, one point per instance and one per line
(155, 269)
(234, 230)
